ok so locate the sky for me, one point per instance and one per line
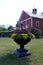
(10, 10)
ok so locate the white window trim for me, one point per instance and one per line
(37, 23)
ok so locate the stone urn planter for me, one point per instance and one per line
(22, 40)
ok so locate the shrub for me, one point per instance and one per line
(35, 31)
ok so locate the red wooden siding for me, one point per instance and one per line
(40, 24)
(23, 16)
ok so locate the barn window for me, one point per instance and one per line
(37, 24)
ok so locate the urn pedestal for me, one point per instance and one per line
(21, 52)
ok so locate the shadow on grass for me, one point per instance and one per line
(11, 59)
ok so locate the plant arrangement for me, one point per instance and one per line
(20, 36)
(21, 39)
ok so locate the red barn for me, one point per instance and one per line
(28, 20)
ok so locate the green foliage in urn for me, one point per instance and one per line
(20, 36)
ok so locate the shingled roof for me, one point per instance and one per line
(34, 15)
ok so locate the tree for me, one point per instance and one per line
(10, 28)
(2, 28)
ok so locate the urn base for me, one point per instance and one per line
(21, 52)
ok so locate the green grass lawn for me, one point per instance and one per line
(7, 46)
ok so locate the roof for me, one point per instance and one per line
(34, 15)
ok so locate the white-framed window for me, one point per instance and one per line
(37, 23)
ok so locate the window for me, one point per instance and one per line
(37, 24)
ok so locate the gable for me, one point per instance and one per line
(23, 16)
